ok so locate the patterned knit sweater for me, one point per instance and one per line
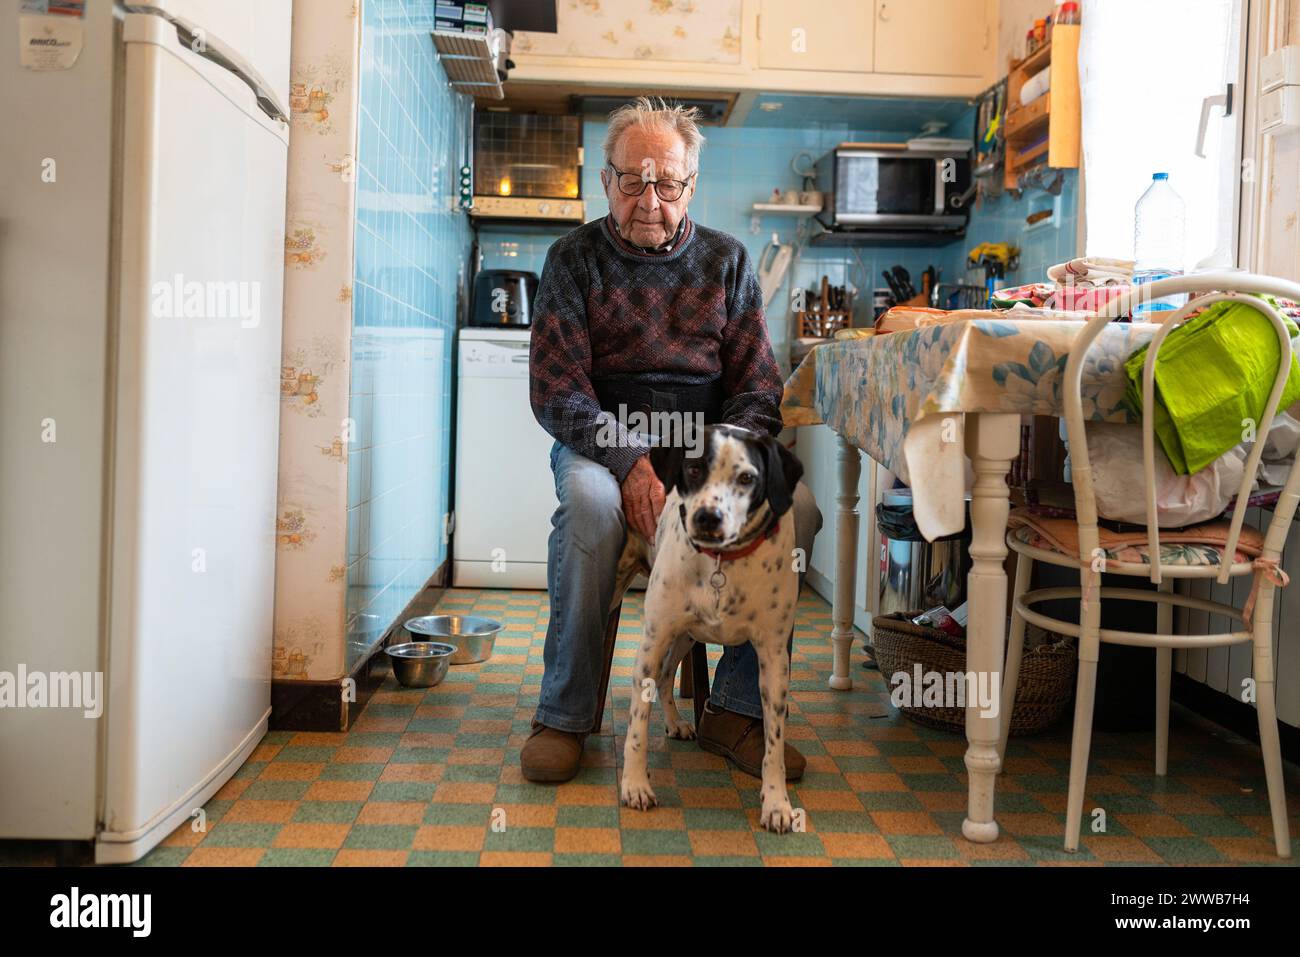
(685, 316)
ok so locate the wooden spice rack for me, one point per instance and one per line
(1049, 125)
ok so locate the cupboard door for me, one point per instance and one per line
(815, 35)
(682, 32)
(934, 37)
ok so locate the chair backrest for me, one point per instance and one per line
(1204, 289)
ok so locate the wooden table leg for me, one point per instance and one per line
(873, 541)
(846, 563)
(992, 441)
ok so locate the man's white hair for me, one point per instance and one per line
(654, 112)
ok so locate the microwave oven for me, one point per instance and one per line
(897, 191)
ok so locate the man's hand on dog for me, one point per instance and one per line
(643, 498)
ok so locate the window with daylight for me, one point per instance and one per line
(1162, 91)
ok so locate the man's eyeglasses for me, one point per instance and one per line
(634, 184)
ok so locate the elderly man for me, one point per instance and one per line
(644, 309)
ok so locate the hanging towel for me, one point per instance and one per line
(1212, 380)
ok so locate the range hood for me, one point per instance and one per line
(713, 110)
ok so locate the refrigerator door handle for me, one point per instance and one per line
(205, 44)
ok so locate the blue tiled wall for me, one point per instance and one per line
(741, 166)
(410, 246)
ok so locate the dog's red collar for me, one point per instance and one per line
(730, 556)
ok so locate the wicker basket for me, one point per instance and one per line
(1042, 694)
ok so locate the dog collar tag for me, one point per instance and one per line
(717, 580)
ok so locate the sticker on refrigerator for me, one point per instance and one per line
(59, 8)
(50, 33)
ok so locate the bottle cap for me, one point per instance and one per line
(1159, 175)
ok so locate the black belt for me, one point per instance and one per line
(706, 399)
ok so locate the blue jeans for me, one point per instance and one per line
(588, 532)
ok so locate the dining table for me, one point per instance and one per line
(933, 405)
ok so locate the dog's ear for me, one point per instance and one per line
(666, 460)
(783, 472)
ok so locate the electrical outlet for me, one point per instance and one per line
(1280, 68)
(1279, 111)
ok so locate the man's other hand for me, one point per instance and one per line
(643, 498)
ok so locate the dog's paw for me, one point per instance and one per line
(681, 731)
(777, 814)
(637, 794)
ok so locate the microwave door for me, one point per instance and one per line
(882, 189)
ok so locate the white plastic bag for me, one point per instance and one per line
(1115, 451)
(1279, 449)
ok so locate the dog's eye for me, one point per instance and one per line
(694, 471)
(745, 478)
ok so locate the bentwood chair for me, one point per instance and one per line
(1220, 558)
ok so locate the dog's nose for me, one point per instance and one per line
(708, 519)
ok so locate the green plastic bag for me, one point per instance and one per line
(1212, 381)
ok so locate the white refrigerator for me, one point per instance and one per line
(141, 272)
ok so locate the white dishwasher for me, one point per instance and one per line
(505, 493)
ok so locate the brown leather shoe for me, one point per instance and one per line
(739, 739)
(551, 756)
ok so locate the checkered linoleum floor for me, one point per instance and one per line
(421, 775)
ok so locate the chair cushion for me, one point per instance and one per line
(1171, 553)
(1201, 544)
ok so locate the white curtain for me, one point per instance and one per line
(1145, 66)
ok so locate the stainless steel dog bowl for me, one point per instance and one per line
(472, 636)
(420, 664)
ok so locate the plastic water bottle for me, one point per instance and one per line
(1159, 241)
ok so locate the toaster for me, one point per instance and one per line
(503, 297)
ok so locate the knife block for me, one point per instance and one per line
(821, 321)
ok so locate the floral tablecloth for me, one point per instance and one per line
(889, 394)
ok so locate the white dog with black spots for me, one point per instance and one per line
(720, 572)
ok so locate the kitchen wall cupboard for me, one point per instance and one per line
(688, 32)
(828, 34)
(942, 37)
(935, 48)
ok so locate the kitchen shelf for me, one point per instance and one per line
(1038, 59)
(1026, 120)
(882, 238)
(470, 64)
(1028, 154)
(786, 209)
(1053, 118)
